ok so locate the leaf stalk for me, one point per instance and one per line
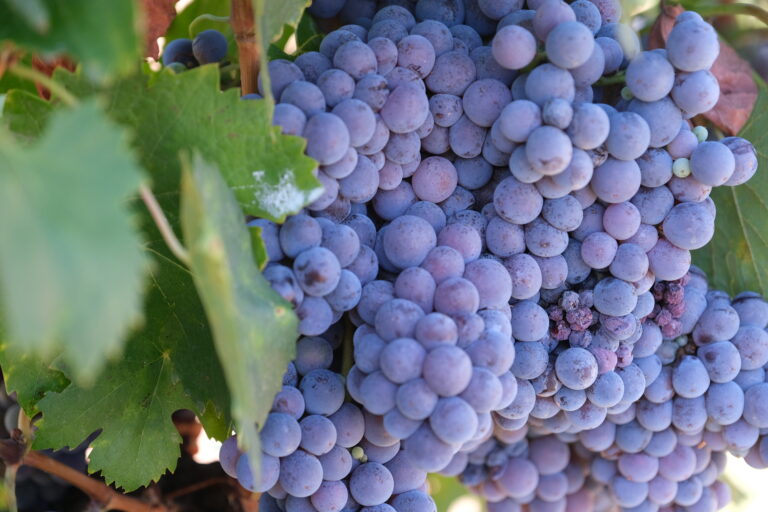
(163, 225)
(46, 81)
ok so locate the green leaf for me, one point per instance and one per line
(445, 490)
(132, 403)
(254, 329)
(276, 49)
(169, 364)
(34, 12)
(737, 257)
(308, 35)
(29, 377)
(271, 16)
(260, 256)
(634, 7)
(100, 34)
(25, 113)
(71, 264)
(180, 26)
(11, 81)
(268, 171)
(174, 315)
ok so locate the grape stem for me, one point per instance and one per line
(618, 78)
(348, 348)
(98, 491)
(163, 225)
(46, 81)
(243, 24)
(540, 57)
(728, 9)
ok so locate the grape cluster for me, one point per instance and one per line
(702, 394)
(504, 239)
(325, 266)
(320, 452)
(209, 46)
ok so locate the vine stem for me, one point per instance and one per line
(100, 492)
(728, 9)
(244, 26)
(618, 78)
(163, 225)
(198, 486)
(46, 81)
(10, 486)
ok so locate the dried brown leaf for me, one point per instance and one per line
(663, 26)
(738, 91)
(158, 15)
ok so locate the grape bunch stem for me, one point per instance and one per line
(244, 26)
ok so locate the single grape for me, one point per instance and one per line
(453, 72)
(549, 14)
(663, 118)
(692, 45)
(629, 136)
(312, 65)
(437, 33)
(518, 119)
(548, 150)
(179, 51)
(327, 138)
(569, 44)
(712, 163)
(513, 47)
(484, 99)
(547, 81)
(650, 76)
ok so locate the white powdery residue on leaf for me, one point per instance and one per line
(281, 198)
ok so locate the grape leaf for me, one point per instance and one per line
(271, 16)
(131, 403)
(737, 257)
(197, 366)
(270, 19)
(254, 329)
(268, 171)
(180, 26)
(634, 7)
(10, 81)
(25, 113)
(169, 364)
(100, 34)
(71, 264)
(157, 16)
(33, 12)
(308, 35)
(260, 256)
(29, 377)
